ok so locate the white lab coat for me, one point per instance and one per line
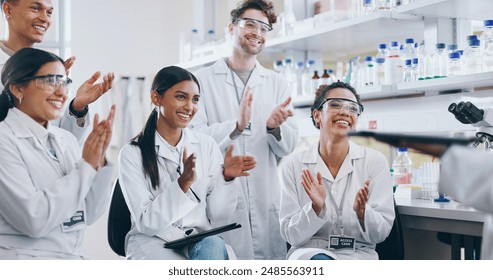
(466, 175)
(308, 233)
(66, 121)
(166, 213)
(258, 206)
(40, 192)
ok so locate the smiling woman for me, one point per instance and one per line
(175, 181)
(336, 201)
(51, 190)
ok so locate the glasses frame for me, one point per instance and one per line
(57, 85)
(360, 106)
(258, 23)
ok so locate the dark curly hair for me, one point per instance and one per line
(322, 91)
(266, 7)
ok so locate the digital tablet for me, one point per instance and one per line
(178, 243)
(395, 139)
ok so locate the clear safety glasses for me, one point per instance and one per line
(251, 24)
(338, 104)
(51, 82)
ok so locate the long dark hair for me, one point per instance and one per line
(165, 79)
(23, 65)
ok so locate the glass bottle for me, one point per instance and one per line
(440, 59)
(402, 167)
(487, 39)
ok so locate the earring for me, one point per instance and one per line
(20, 100)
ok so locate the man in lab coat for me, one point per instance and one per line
(248, 105)
(27, 22)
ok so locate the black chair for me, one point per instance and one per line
(392, 248)
(118, 221)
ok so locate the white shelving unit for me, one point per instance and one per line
(361, 35)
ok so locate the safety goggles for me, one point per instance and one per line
(338, 104)
(251, 24)
(51, 82)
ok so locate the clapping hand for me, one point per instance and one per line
(236, 166)
(245, 112)
(68, 64)
(279, 115)
(315, 189)
(188, 175)
(97, 142)
(89, 92)
(361, 199)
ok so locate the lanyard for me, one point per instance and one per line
(238, 97)
(338, 208)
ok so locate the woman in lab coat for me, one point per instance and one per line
(172, 178)
(336, 190)
(50, 189)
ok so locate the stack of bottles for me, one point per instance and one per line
(408, 62)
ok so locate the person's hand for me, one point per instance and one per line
(245, 109)
(236, 166)
(315, 189)
(188, 174)
(361, 199)
(109, 131)
(68, 64)
(279, 115)
(89, 92)
(93, 148)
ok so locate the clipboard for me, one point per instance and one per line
(395, 138)
(178, 243)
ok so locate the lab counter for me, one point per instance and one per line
(464, 223)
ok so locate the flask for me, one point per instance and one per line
(454, 64)
(380, 71)
(315, 82)
(473, 57)
(487, 39)
(325, 78)
(300, 68)
(382, 51)
(440, 59)
(306, 78)
(369, 76)
(408, 50)
(402, 167)
(393, 65)
(407, 75)
(290, 75)
(196, 42)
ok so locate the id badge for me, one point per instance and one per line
(339, 242)
(76, 222)
(248, 129)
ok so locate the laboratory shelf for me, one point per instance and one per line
(470, 9)
(339, 38)
(373, 92)
(350, 37)
(459, 83)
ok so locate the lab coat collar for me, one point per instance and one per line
(312, 157)
(188, 137)
(220, 67)
(23, 126)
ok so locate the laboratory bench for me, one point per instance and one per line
(463, 223)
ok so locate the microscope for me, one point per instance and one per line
(468, 113)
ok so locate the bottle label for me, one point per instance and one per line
(405, 178)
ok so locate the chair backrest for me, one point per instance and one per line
(118, 221)
(392, 248)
